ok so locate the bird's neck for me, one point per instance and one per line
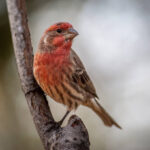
(54, 55)
(63, 49)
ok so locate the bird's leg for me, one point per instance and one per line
(62, 120)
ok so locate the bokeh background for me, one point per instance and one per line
(114, 44)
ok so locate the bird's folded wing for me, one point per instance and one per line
(80, 76)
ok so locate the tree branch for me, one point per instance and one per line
(72, 137)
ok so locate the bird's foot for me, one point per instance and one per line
(62, 120)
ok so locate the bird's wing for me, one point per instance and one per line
(80, 76)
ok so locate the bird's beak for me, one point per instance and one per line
(71, 34)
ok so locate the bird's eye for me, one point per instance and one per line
(59, 30)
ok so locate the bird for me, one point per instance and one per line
(62, 76)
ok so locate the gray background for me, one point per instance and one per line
(114, 46)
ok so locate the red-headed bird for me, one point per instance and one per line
(61, 74)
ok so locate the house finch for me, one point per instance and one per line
(61, 74)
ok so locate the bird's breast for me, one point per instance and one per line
(49, 70)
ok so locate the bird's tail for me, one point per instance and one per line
(100, 111)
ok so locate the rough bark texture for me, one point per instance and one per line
(74, 136)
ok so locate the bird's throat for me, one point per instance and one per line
(63, 49)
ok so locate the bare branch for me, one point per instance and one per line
(72, 137)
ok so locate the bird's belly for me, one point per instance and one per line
(54, 83)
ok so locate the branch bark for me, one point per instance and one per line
(74, 135)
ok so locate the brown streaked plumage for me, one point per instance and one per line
(61, 74)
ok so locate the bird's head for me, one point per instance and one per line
(59, 35)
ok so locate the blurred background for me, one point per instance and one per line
(114, 44)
